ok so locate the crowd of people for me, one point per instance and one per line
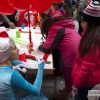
(76, 55)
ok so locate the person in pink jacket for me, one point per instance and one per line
(86, 70)
(60, 33)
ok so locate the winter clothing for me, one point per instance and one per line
(60, 12)
(92, 13)
(63, 36)
(86, 70)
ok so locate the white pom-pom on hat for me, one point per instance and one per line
(24, 70)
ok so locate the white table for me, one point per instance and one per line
(36, 39)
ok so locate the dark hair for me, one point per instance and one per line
(89, 39)
(1, 18)
(66, 8)
(43, 15)
(47, 23)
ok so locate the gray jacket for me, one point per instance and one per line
(81, 6)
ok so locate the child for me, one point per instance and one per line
(60, 33)
(86, 70)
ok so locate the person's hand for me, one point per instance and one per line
(75, 90)
(11, 24)
(16, 18)
(7, 29)
(20, 68)
(23, 67)
(41, 63)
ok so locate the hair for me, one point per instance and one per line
(5, 48)
(65, 6)
(43, 15)
(89, 39)
(47, 23)
(1, 18)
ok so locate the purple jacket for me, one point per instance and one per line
(63, 36)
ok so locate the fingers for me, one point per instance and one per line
(11, 24)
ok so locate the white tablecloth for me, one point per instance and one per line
(36, 38)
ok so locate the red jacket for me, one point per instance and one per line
(22, 20)
(86, 70)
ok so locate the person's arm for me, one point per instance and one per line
(11, 24)
(20, 83)
(5, 18)
(53, 38)
(87, 68)
(17, 15)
